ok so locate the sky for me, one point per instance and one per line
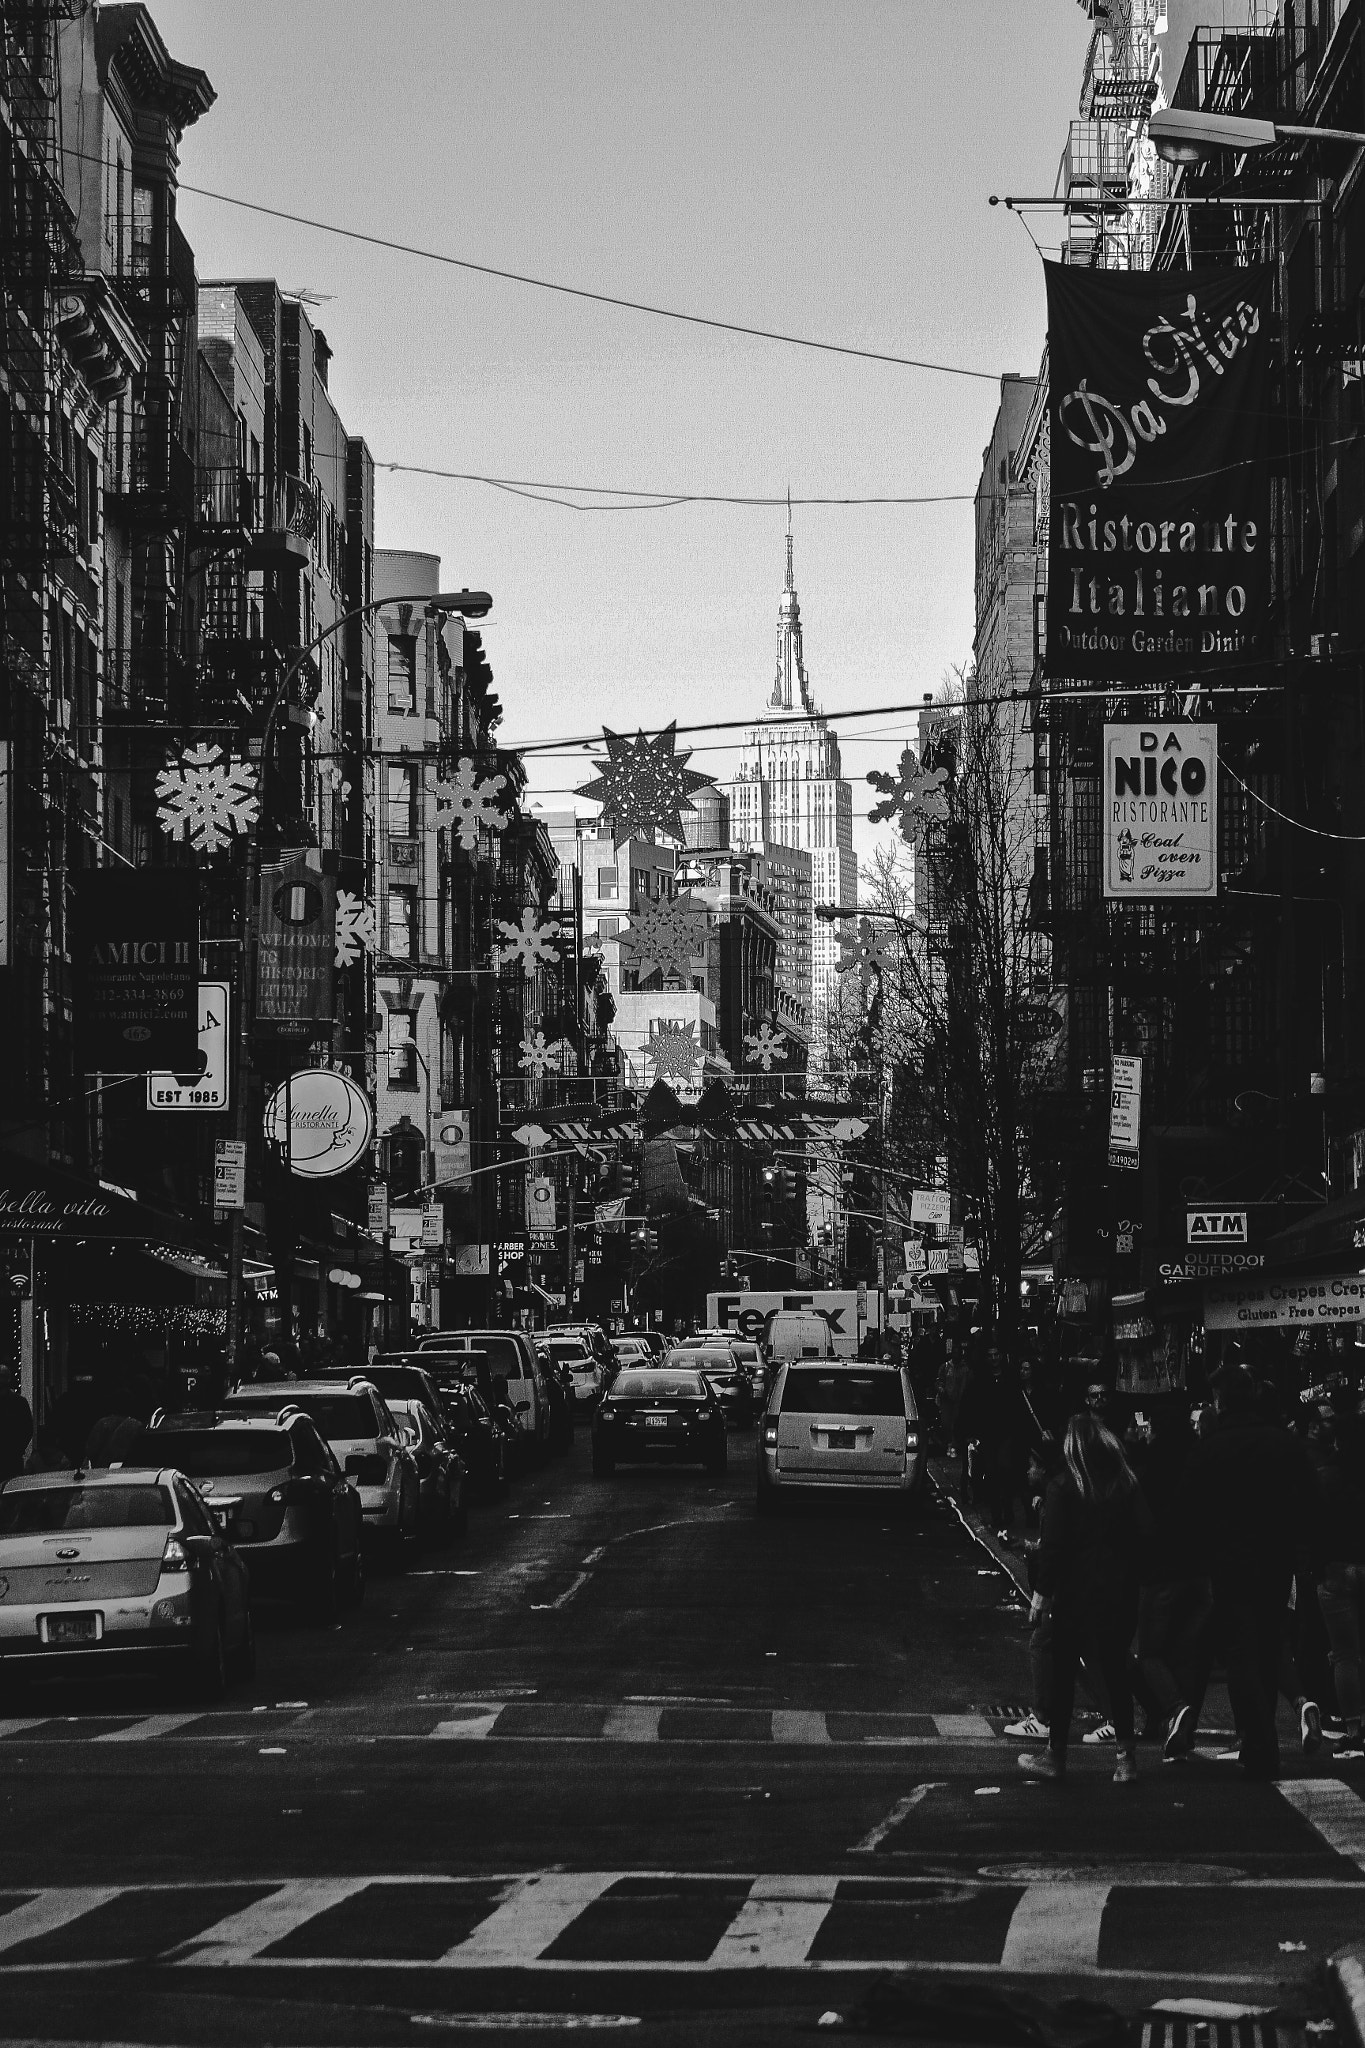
(822, 167)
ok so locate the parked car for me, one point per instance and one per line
(558, 1385)
(122, 1565)
(751, 1357)
(630, 1350)
(851, 1427)
(505, 1355)
(724, 1373)
(365, 1439)
(585, 1368)
(664, 1413)
(289, 1509)
(487, 1437)
(443, 1482)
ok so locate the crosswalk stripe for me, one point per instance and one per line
(963, 1727)
(243, 1935)
(22, 1723)
(149, 1728)
(792, 1724)
(539, 1909)
(776, 1925)
(1056, 1927)
(51, 1910)
(1337, 1813)
(473, 1726)
(633, 1722)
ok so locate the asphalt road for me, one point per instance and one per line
(629, 1759)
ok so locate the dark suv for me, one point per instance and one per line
(289, 1509)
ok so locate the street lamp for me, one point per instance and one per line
(470, 604)
(1183, 135)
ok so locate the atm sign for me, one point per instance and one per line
(1215, 1226)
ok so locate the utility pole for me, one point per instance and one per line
(569, 1263)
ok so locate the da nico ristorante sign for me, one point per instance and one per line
(1159, 536)
(135, 943)
(1160, 820)
(320, 1121)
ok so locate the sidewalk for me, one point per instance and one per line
(945, 1477)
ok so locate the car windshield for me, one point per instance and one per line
(403, 1382)
(210, 1453)
(49, 1510)
(816, 1390)
(665, 1386)
(340, 1415)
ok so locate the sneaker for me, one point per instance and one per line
(1042, 1763)
(1125, 1768)
(1310, 1728)
(1180, 1735)
(1104, 1733)
(1030, 1729)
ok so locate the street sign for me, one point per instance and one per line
(378, 1219)
(208, 1089)
(931, 1205)
(229, 1173)
(1125, 1113)
(433, 1227)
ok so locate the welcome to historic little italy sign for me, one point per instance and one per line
(1285, 1304)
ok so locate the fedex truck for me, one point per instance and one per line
(749, 1314)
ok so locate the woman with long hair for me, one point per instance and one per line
(1094, 1526)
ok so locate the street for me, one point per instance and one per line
(628, 1750)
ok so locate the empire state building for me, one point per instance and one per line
(790, 790)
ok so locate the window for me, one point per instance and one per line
(608, 882)
(144, 231)
(403, 672)
(402, 1048)
(402, 800)
(400, 937)
(608, 927)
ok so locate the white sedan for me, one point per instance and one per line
(99, 1567)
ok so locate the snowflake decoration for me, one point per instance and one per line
(766, 1045)
(644, 786)
(915, 796)
(538, 1057)
(865, 952)
(468, 799)
(673, 1048)
(531, 942)
(205, 797)
(356, 928)
(666, 935)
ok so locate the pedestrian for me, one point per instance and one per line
(990, 1423)
(1341, 1595)
(16, 1428)
(1044, 1464)
(952, 1380)
(1095, 1526)
(1175, 1598)
(1256, 1497)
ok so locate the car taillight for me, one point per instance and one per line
(770, 1434)
(175, 1557)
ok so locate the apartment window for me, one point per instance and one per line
(402, 1048)
(608, 927)
(403, 673)
(608, 882)
(400, 935)
(307, 453)
(402, 801)
(144, 231)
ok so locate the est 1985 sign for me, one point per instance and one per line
(208, 1089)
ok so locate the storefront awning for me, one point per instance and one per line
(1325, 1233)
(51, 1205)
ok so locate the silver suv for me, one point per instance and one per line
(848, 1427)
(367, 1444)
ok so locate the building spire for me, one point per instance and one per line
(790, 584)
(791, 666)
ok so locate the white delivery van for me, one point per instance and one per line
(797, 1333)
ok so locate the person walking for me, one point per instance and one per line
(1095, 1525)
(1175, 1598)
(1256, 1499)
(1341, 1595)
(16, 1428)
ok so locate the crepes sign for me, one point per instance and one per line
(1159, 541)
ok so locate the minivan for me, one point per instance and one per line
(798, 1333)
(843, 1426)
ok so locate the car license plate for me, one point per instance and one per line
(656, 1421)
(70, 1628)
(842, 1440)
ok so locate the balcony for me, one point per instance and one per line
(1230, 73)
(160, 489)
(226, 504)
(288, 520)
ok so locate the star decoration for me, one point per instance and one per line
(766, 1045)
(531, 942)
(915, 796)
(673, 1048)
(865, 952)
(644, 785)
(667, 935)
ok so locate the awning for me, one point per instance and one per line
(1325, 1233)
(51, 1205)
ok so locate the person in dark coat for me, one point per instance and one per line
(1175, 1599)
(1341, 1595)
(1256, 1498)
(16, 1430)
(1095, 1528)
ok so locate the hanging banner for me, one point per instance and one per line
(1160, 810)
(1159, 535)
(1125, 1113)
(135, 943)
(205, 1088)
(540, 1207)
(296, 946)
(450, 1147)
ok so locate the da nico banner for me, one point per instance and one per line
(1158, 547)
(135, 943)
(1160, 822)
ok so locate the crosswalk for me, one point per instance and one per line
(585, 1921)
